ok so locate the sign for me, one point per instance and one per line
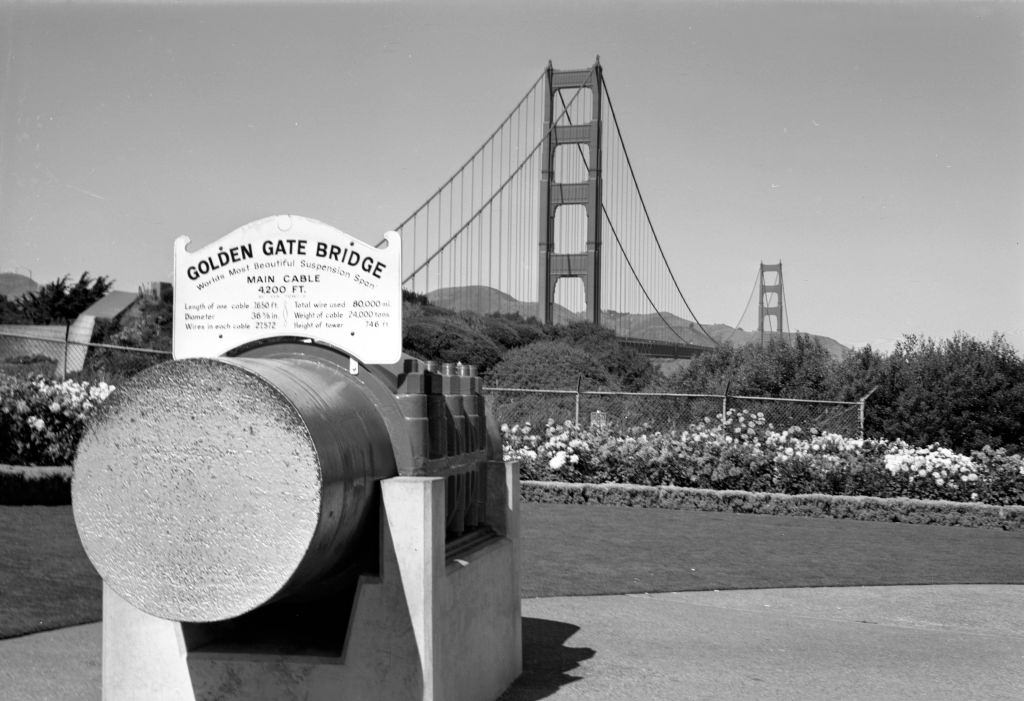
(289, 276)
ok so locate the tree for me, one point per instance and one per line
(432, 333)
(632, 371)
(550, 365)
(9, 312)
(59, 302)
(962, 393)
(801, 369)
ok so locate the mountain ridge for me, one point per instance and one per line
(483, 300)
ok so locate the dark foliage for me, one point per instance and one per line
(632, 371)
(551, 365)
(800, 370)
(961, 393)
(431, 333)
(149, 324)
(414, 297)
(507, 330)
(58, 301)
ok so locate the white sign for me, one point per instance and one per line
(289, 276)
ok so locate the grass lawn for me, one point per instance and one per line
(47, 582)
(578, 550)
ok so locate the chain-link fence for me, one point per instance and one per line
(54, 351)
(664, 412)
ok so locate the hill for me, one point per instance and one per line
(485, 300)
(14, 285)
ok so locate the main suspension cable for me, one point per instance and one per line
(643, 204)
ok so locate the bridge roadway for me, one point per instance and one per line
(664, 349)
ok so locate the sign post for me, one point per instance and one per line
(289, 276)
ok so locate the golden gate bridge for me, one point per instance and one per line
(546, 219)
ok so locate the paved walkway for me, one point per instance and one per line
(926, 642)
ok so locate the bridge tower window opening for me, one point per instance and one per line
(571, 295)
(580, 111)
(571, 163)
(571, 229)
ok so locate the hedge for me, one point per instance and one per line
(900, 510)
(24, 486)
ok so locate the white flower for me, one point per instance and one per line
(558, 461)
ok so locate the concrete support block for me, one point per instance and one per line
(143, 656)
(425, 629)
(414, 556)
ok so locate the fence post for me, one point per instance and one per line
(579, 384)
(67, 337)
(861, 407)
(725, 401)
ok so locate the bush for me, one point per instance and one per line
(809, 505)
(1003, 484)
(39, 486)
(746, 453)
(961, 393)
(632, 371)
(43, 420)
(507, 330)
(431, 333)
(550, 365)
(802, 369)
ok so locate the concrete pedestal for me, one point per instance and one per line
(426, 628)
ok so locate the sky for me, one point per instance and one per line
(877, 150)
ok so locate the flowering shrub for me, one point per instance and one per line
(933, 472)
(41, 420)
(556, 450)
(746, 452)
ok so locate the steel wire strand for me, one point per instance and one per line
(476, 153)
(501, 187)
(643, 204)
(743, 313)
(642, 288)
(625, 255)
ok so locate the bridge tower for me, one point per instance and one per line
(769, 304)
(586, 265)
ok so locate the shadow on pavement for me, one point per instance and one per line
(547, 660)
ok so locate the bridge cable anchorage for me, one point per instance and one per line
(497, 192)
(643, 204)
(476, 153)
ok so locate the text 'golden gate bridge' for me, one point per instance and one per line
(521, 227)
